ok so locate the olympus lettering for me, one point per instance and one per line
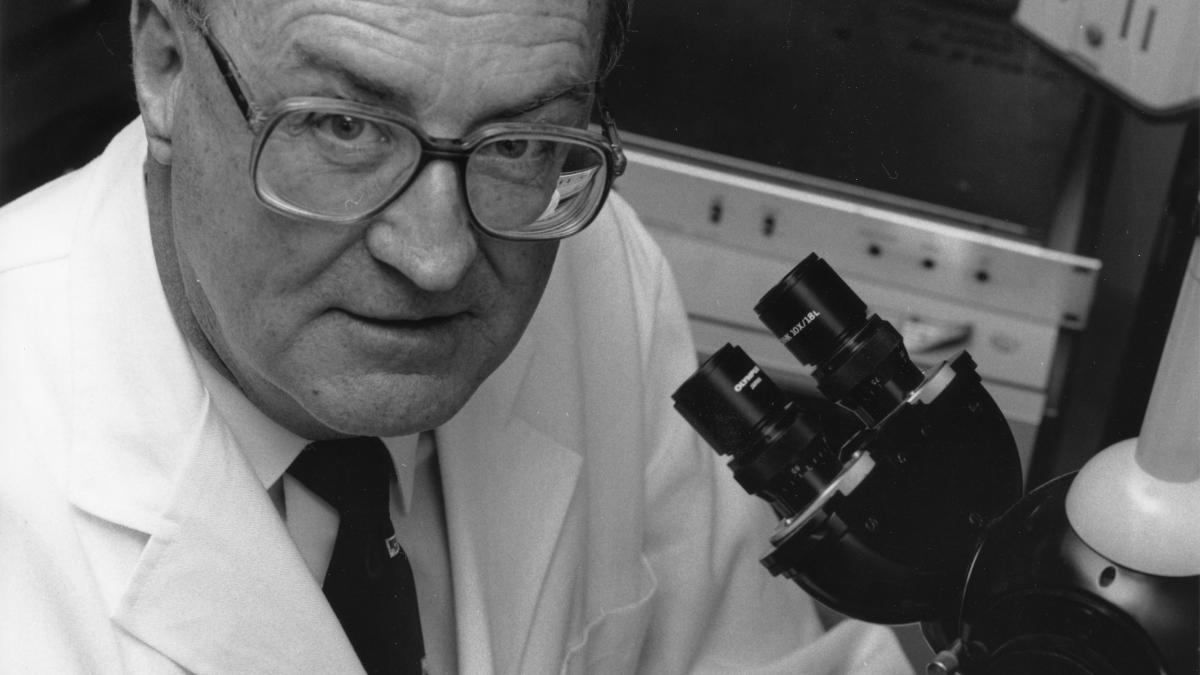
(741, 384)
(800, 325)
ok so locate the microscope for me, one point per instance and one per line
(916, 514)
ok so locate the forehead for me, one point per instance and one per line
(431, 55)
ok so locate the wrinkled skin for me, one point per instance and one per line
(381, 328)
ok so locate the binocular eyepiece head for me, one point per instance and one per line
(900, 501)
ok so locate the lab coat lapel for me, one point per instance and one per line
(219, 586)
(509, 487)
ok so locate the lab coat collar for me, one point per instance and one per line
(219, 586)
(270, 448)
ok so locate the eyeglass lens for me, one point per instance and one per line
(328, 163)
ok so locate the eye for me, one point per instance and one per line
(345, 127)
(511, 148)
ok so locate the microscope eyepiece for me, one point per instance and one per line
(812, 311)
(859, 362)
(731, 402)
(776, 452)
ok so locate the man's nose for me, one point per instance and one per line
(426, 234)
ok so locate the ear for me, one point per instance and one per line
(157, 69)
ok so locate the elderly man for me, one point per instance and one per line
(336, 222)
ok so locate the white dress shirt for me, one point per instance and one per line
(416, 507)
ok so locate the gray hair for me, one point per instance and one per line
(616, 28)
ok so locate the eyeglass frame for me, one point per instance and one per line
(458, 150)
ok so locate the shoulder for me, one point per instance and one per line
(38, 270)
(615, 273)
(36, 227)
(616, 244)
(35, 242)
(35, 245)
(39, 226)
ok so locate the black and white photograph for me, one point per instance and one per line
(600, 337)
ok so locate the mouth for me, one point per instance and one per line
(427, 339)
(416, 324)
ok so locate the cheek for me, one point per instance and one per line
(524, 265)
(522, 270)
(258, 286)
(227, 257)
(212, 196)
(242, 266)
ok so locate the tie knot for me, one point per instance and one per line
(352, 474)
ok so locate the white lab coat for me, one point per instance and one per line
(589, 531)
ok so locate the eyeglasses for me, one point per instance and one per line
(342, 162)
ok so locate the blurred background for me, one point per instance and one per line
(65, 86)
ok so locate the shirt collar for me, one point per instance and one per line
(270, 448)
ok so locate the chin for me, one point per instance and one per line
(386, 405)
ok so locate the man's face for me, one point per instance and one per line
(388, 326)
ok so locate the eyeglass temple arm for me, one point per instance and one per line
(233, 79)
(609, 126)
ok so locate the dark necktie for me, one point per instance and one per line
(369, 582)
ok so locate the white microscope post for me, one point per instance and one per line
(1137, 501)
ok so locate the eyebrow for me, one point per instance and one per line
(373, 88)
(578, 92)
(379, 91)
